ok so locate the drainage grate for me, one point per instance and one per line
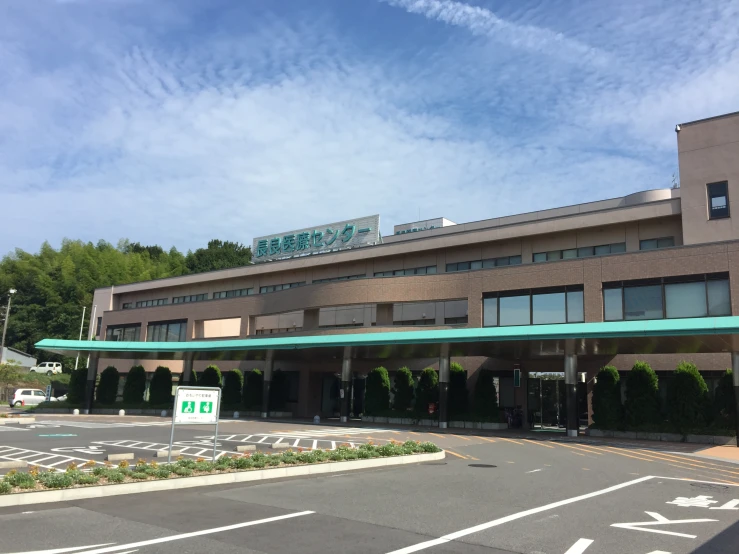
(481, 465)
(709, 486)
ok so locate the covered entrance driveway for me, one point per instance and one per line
(562, 345)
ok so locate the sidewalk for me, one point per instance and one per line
(721, 453)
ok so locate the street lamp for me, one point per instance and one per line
(11, 292)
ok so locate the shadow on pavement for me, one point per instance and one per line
(726, 542)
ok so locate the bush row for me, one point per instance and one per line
(688, 406)
(142, 471)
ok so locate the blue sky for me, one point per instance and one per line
(172, 122)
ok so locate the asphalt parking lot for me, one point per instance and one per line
(491, 494)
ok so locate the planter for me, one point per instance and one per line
(671, 437)
(724, 441)
(368, 418)
(494, 426)
(700, 439)
(456, 424)
(428, 422)
(394, 420)
(624, 434)
(380, 419)
(472, 425)
(281, 414)
(406, 421)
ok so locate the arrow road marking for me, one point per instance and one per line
(660, 520)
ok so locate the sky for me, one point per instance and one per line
(174, 122)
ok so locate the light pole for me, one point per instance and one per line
(82, 324)
(11, 292)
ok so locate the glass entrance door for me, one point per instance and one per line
(547, 401)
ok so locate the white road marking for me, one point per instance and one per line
(194, 451)
(580, 546)
(730, 505)
(660, 520)
(484, 526)
(63, 550)
(534, 470)
(696, 481)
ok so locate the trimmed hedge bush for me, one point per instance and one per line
(687, 397)
(642, 404)
(725, 402)
(427, 390)
(135, 385)
(252, 394)
(377, 391)
(77, 383)
(211, 377)
(160, 388)
(485, 397)
(403, 389)
(457, 390)
(232, 385)
(607, 408)
(193, 380)
(278, 391)
(108, 385)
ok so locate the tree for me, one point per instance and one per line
(77, 384)
(377, 391)
(135, 385)
(160, 388)
(485, 397)
(457, 390)
(218, 255)
(642, 405)
(193, 381)
(687, 397)
(607, 408)
(278, 391)
(232, 385)
(253, 390)
(403, 389)
(211, 377)
(108, 385)
(725, 402)
(427, 390)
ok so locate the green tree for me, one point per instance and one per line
(458, 397)
(607, 408)
(725, 401)
(687, 397)
(427, 390)
(232, 385)
(642, 405)
(218, 255)
(77, 384)
(485, 397)
(135, 385)
(108, 386)
(193, 381)
(253, 390)
(211, 377)
(403, 389)
(160, 388)
(278, 391)
(377, 391)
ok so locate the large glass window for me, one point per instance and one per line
(613, 304)
(233, 293)
(583, 252)
(189, 298)
(546, 306)
(489, 312)
(718, 200)
(150, 303)
(166, 331)
(575, 306)
(686, 300)
(483, 264)
(643, 302)
(515, 310)
(549, 308)
(652, 244)
(126, 333)
(719, 301)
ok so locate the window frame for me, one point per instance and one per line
(725, 212)
(531, 293)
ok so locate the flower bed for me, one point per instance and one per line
(74, 476)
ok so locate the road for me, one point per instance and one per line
(491, 494)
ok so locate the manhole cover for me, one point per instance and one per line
(481, 465)
(709, 486)
(433, 463)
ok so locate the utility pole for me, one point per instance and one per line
(11, 292)
(82, 324)
(89, 332)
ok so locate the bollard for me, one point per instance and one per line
(245, 448)
(164, 413)
(75, 412)
(236, 415)
(316, 419)
(121, 412)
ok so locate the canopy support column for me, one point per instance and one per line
(444, 386)
(735, 379)
(346, 383)
(571, 385)
(92, 373)
(268, 362)
(186, 369)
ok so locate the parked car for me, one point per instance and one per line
(50, 368)
(28, 397)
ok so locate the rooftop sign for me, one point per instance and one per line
(364, 231)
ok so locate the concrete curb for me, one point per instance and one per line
(66, 495)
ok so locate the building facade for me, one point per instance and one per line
(656, 254)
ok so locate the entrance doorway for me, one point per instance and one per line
(547, 401)
(330, 402)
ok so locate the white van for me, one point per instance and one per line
(50, 368)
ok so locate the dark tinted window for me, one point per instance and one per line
(718, 200)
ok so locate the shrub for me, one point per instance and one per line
(252, 395)
(21, 480)
(687, 397)
(183, 471)
(193, 380)
(162, 473)
(457, 390)
(607, 408)
(115, 477)
(5, 488)
(485, 397)
(160, 388)
(278, 391)
(377, 391)
(725, 402)
(211, 377)
(135, 385)
(56, 480)
(427, 390)
(139, 475)
(108, 385)
(403, 389)
(232, 385)
(77, 384)
(87, 479)
(642, 396)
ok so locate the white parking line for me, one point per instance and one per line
(580, 546)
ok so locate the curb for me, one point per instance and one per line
(66, 495)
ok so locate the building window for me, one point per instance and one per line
(99, 327)
(190, 298)
(455, 320)
(718, 200)
(166, 331)
(284, 286)
(123, 333)
(334, 279)
(652, 244)
(426, 270)
(412, 322)
(127, 305)
(233, 293)
(150, 303)
(278, 331)
(483, 264)
(583, 252)
(534, 307)
(676, 297)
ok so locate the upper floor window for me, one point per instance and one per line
(127, 305)
(99, 327)
(534, 307)
(582, 252)
(483, 264)
(189, 298)
(426, 270)
(651, 244)
(343, 278)
(233, 293)
(127, 333)
(718, 200)
(275, 288)
(150, 303)
(166, 331)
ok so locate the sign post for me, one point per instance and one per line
(196, 406)
(48, 393)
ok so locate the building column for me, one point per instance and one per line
(443, 386)
(186, 369)
(92, 373)
(573, 424)
(524, 386)
(266, 382)
(735, 378)
(346, 383)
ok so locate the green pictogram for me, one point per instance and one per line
(188, 407)
(206, 407)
